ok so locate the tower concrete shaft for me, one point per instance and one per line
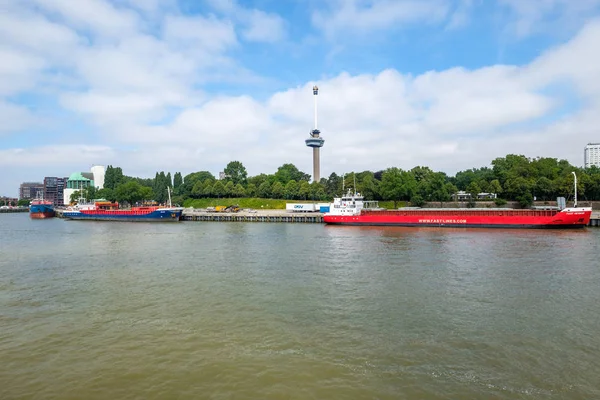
(316, 164)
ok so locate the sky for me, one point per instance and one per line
(190, 85)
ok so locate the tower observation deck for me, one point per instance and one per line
(316, 142)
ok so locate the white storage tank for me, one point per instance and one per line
(98, 172)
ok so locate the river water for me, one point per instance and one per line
(215, 310)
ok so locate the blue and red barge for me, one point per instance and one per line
(108, 211)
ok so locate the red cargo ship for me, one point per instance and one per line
(351, 209)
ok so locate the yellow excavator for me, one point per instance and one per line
(227, 208)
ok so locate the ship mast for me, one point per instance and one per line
(575, 183)
(169, 193)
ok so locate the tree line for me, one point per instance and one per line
(512, 178)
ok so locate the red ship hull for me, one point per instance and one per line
(41, 215)
(468, 218)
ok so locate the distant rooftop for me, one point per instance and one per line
(77, 176)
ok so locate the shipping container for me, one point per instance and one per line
(300, 207)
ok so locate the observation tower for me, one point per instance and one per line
(316, 142)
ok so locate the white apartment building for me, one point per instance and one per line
(591, 155)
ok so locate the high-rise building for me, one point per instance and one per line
(31, 190)
(591, 155)
(54, 189)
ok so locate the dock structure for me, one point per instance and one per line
(252, 216)
(595, 219)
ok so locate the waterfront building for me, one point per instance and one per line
(31, 190)
(591, 155)
(461, 195)
(54, 189)
(78, 181)
(8, 201)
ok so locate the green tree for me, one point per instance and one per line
(107, 194)
(23, 203)
(229, 189)
(291, 190)
(251, 190)
(495, 186)
(369, 187)
(198, 190)
(239, 191)
(190, 180)
(334, 185)
(75, 196)
(146, 193)
(417, 201)
(89, 193)
(543, 187)
(288, 172)
(177, 182)
(264, 190)
(218, 189)
(131, 192)
(113, 176)
(304, 190)
(517, 187)
(236, 172)
(421, 173)
(473, 189)
(207, 187)
(259, 179)
(277, 190)
(317, 191)
(397, 184)
(160, 187)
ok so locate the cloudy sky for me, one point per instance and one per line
(188, 85)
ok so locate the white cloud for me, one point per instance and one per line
(55, 156)
(461, 15)
(206, 33)
(257, 25)
(357, 16)
(263, 27)
(551, 16)
(97, 16)
(14, 118)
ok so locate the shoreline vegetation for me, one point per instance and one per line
(515, 179)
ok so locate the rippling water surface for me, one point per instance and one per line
(108, 310)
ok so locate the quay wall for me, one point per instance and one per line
(13, 210)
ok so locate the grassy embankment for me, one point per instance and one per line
(256, 203)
